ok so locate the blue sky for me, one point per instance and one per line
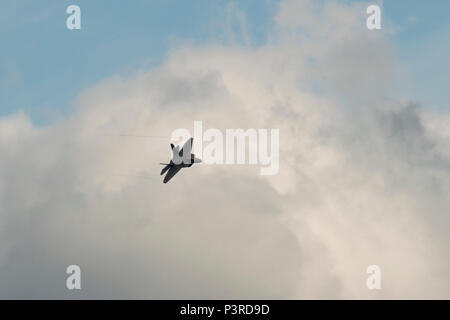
(44, 66)
(423, 43)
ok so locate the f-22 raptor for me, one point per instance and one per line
(180, 159)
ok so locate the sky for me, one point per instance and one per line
(53, 65)
(364, 126)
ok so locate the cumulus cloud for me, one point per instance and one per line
(364, 179)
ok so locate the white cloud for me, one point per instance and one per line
(362, 180)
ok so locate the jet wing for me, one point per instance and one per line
(172, 171)
(187, 146)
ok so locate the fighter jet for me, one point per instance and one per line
(179, 161)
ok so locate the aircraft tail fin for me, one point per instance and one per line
(175, 151)
(165, 168)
